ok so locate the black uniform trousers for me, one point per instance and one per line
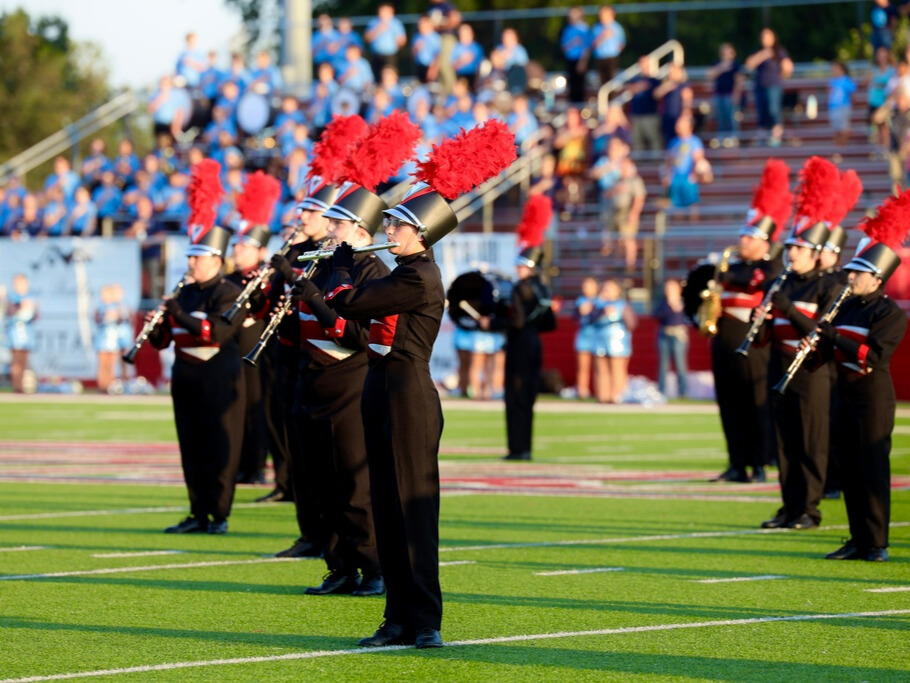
(270, 370)
(524, 358)
(801, 420)
(741, 386)
(403, 422)
(833, 475)
(335, 462)
(209, 409)
(255, 438)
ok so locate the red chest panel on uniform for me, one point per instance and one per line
(858, 366)
(382, 334)
(785, 336)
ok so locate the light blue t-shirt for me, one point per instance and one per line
(386, 41)
(474, 51)
(574, 40)
(839, 91)
(518, 56)
(188, 71)
(323, 45)
(682, 152)
(426, 47)
(608, 46)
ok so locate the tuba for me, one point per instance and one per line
(710, 308)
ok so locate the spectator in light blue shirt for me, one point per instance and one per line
(152, 166)
(325, 40)
(521, 120)
(840, 88)
(513, 52)
(95, 163)
(166, 108)
(229, 99)
(107, 196)
(608, 40)
(432, 131)
(425, 48)
(54, 219)
(462, 118)
(389, 83)
(467, 55)
(574, 41)
(210, 79)
(126, 164)
(356, 74)
(64, 178)
(82, 217)
(385, 35)
(220, 122)
(299, 138)
(265, 78)
(171, 201)
(191, 62)
(237, 74)
(346, 36)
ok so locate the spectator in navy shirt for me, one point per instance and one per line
(672, 337)
(883, 19)
(325, 41)
(191, 62)
(29, 221)
(12, 213)
(95, 164)
(467, 55)
(772, 66)
(107, 196)
(425, 47)
(64, 178)
(643, 109)
(727, 77)
(386, 36)
(574, 41)
(82, 217)
(675, 96)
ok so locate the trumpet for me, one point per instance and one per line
(253, 356)
(811, 342)
(151, 324)
(243, 301)
(319, 254)
(762, 311)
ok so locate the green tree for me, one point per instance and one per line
(46, 80)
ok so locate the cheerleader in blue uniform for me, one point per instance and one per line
(586, 313)
(614, 343)
(21, 315)
(114, 334)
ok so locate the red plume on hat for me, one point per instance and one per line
(534, 221)
(334, 145)
(819, 184)
(891, 222)
(376, 157)
(204, 193)
(459, 164)
(850, 189)
(772, 196)
(257, 201)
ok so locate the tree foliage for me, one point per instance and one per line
(46, 80)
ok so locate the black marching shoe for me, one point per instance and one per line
(389, 634)
(335, 583)
(877, 555)
(758, 475)
(778, 521)
(848, 551)
(518, 456)
(275, 496)
(804, 521)
(218, 526)
(427, 638)
(370, 584)
(733, 474)
(831, 494)
(302, 548)
(191, 525)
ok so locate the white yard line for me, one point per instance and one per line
(119, 511)
(21, 548)
(317, 654)
(594, 570)
(737, 579)
(143, 553)
(891, 589)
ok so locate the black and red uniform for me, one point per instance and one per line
(869, 329)
(208, 390)
(833, 484)
(402, 419)
(741, 384)
(333, 465)
(255, 438)
(802, 415)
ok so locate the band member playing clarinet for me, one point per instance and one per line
(206, 381)
(861, 340)
(402, 415)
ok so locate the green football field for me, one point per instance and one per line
(607, 558)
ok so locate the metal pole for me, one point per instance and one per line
(671, 25)
(297, 38)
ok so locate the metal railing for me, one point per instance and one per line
(68, 137)
(672, 48)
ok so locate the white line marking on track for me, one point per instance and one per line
(737, 579)
(457, 563)
(315, 654)
(593, 570)
(24, 547)
(890, 589)
(118, 511)
(143, 553)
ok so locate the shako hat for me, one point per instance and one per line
(455, 166)
(837, 239)
(885, 232)
(256, 204)
(203, 195)
(771, 202)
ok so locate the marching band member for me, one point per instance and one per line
(402, 414)
(206, 382)
(740, 384)
(334, 365)
(861, 340)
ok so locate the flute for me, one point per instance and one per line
(325, 253)
(762, 311)
(811, 342)
(151, 324)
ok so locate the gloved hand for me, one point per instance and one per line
(184, 319)
(827, 331)
(304, 290)
(782, 302)
(281, 265)
(343, 257)
(723, 277)
(174, 309)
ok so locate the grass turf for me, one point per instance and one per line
(81, 623)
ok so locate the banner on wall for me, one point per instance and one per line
(65, 276)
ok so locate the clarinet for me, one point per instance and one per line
(253, 356)
(811, 342)
(243, 301)
(151, 324)
(762, 311)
